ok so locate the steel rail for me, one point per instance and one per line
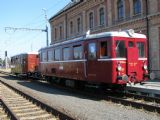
(61, 116)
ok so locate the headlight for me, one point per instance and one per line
(119, 68)
(145, 67)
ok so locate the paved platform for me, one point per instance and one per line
(150, 88)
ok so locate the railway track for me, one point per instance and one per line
(22, 106)
(129, 99)
(151, 104)
(3, 114)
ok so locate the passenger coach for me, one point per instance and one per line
(25, 64)
(109, 57)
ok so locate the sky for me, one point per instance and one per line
(25, 14)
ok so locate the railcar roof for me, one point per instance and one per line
(27, 53)
(126, 34)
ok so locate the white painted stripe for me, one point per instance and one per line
(83, 60)
(112, 59)
(142, 58)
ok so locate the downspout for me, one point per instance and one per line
(148, 37)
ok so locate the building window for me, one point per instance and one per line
(77, 52)
(60, 32)
(55, 31)
(120, 8)
(91, 20)
(137, 6)
(78, 25)
(71, 27)
(101, 16)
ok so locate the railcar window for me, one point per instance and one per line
(44, 57)
(57, 54)
(50, 55)
(120, 49)
(141, 51)
(103, 49)
(130, 44)
(66, 53)
(92, 51)
(77, 52)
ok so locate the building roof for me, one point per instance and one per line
(67, 7)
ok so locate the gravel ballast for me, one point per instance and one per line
(80, 107)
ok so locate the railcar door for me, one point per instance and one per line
(91, 61)
(132, 59)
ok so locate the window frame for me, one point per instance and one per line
(101, 16)
(89, 51)
(77, 46)
(124, 49)
(55, 55)
(137, 7)
(120, 9)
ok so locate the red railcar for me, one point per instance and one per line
(109, 58)
(25, 64)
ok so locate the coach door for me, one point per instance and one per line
(91, 61)
(132, 58)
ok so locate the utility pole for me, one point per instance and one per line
(6, 60)
(47, 42)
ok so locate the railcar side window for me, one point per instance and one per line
(66, 53)
(130, 44)
(103, 49)
(50, 55)
(77, 52)
(92, 51)
(120, 49)
(57, 54)
(44, 56)
(141, 51)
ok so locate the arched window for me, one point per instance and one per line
(55, 31)
(60, 32)
(136, 6)
(71, 27)
(101, 16)
(120, 8)
(78, 25)
(91, 20)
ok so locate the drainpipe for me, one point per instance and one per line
(148, 35)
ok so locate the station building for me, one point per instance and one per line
(80, 16)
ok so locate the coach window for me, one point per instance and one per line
(50, 55)
(44, 57)
(66, 53)
(141, 51)
(92, 51)
(130, 44)
(77, 52)
(120, 49)
(57, 54)
(103, 49)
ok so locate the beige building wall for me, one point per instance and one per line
(130, 21)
